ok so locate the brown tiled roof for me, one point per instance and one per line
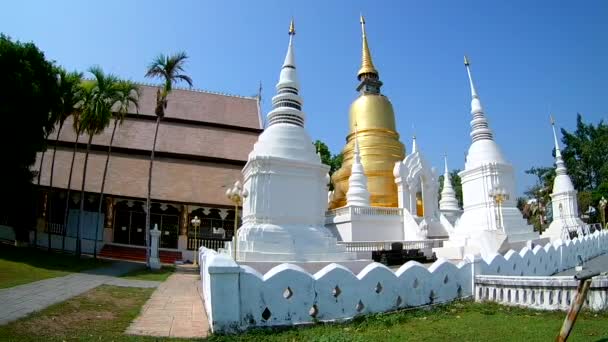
(137, 133)
(204, 106)
(205, 138)
(172, 180)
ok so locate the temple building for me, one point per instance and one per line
(203, 142)
(372, 114)
(566, 221)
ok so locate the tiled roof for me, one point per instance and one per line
(204, 106)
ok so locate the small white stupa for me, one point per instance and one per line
(283, 216)
(491, 222)
(563, 200)
(357, 194)
(448, 205)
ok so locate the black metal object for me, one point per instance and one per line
(398, 256)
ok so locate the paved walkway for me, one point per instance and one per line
(19, 301)
(174, 310)
(599, 263)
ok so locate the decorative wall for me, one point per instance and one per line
(238, 297)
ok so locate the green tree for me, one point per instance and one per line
(541, 193)
(69, 98)
(170, 69)
(28, 102)
(101, 94)
(456, 184)
(127, 98)
(585, 152)
(333, 161)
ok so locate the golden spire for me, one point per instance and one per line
(292, 28)
(367, 66)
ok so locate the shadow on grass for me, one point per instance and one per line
(148, 274)
(55, 261)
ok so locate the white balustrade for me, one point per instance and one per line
(370, 211)
(545, 293)
(372, 246)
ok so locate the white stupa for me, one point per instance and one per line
(357, 194)
(491, 222)
(283, 216)
(448, 205)
(563, 200)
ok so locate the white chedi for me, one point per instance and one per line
(448, 204)
(283, 216)
(491, 222)
(448, 201)
(563, 200)
(357, 194)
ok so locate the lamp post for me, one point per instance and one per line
(196, 222)
(499, 195)
(236, 194)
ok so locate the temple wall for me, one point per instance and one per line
(237, 297)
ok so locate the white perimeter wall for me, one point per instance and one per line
(237, 297)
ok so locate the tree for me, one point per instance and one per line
(69, 98)
(100, 96)
(540, 192)
(585, 152)
(29, 98)
(127, 96)
(334, 162)
(170, 69)
(456, 184)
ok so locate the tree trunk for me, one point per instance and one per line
(149, 192)
(103, 184)
(81, 211)
(67, 197)
(51, 180)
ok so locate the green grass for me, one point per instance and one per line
(21, 265)
(148, 274)
(462, 321)
(103, 314)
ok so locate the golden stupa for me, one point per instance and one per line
(372, 115)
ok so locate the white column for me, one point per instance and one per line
(154, 260)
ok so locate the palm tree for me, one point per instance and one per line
(128, 95)
(69, 94)
(170, 69)
(100, 95)
(76, 114)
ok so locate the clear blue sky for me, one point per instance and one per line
(528, 58)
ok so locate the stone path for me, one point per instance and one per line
(174, 310)
(19, 301)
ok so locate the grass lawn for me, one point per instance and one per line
(462, 321)
(148, 274)
(103, 314)
(21, 265)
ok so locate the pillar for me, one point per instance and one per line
(154, 259)
(182, 239)
(108, 228)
